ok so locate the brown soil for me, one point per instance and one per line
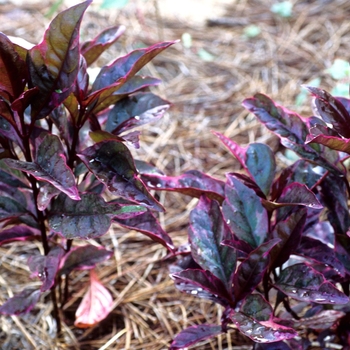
(206, 95)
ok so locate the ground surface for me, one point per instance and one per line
(206, 82)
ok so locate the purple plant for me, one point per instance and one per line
(63, 147)
(273, 248)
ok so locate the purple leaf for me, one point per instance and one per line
(46, 267)
(88, 218)
(301, 171)
(206, 232)
(50, 166)
(12, 70)
(256, 306)
(202, 284)
(302, 282)
(192, 183)
(316, 250)
(288, 125)
(111, 78)
(289, 232)
(92, 49)
(148, 225)
(112, 163)
(113, 95)
(84, 258)
(257, 159)
(238, 244)
(252, 270)
(126, 67)
(12, 177)
(21, 303)
(194, 334)
(323, 320)
(7, 130)
(255, 320)
(46, 193)
(342, 250)
(334, 197)
(280, 345)
(244, 213)
(10, 208)
(54, 63)
(18, 233)
(345, 102)
(331, 110)
(63, 122)
(134, 111)
(333, 142)
(293, 195)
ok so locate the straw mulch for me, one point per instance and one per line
(206, 95)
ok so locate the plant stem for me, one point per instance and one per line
(66, 283)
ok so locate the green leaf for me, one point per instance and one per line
(244, 213)
(207, 231)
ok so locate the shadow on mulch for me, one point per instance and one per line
(206, 92)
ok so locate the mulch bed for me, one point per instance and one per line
(206, 95)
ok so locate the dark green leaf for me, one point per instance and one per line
(83, 219)
(244, 213)
(257, 159)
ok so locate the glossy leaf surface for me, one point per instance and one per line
(288, 125)
(251, 271)
(331, 110)
(320, 252)
(54, 63)
(148, 225)
(206, 232)
(289, 231)
(134, 111)
(112, 163)
(244, 213)
(192, 183)
(88, 218)
(96, 304)
(304, 283)
(255, 320)
(257, 159)
(202, 284)
(194, 334)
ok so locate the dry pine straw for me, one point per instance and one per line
(206, 96)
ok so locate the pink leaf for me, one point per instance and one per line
(95, 306)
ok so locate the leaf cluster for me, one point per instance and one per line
(273, 247)
(66, 171)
